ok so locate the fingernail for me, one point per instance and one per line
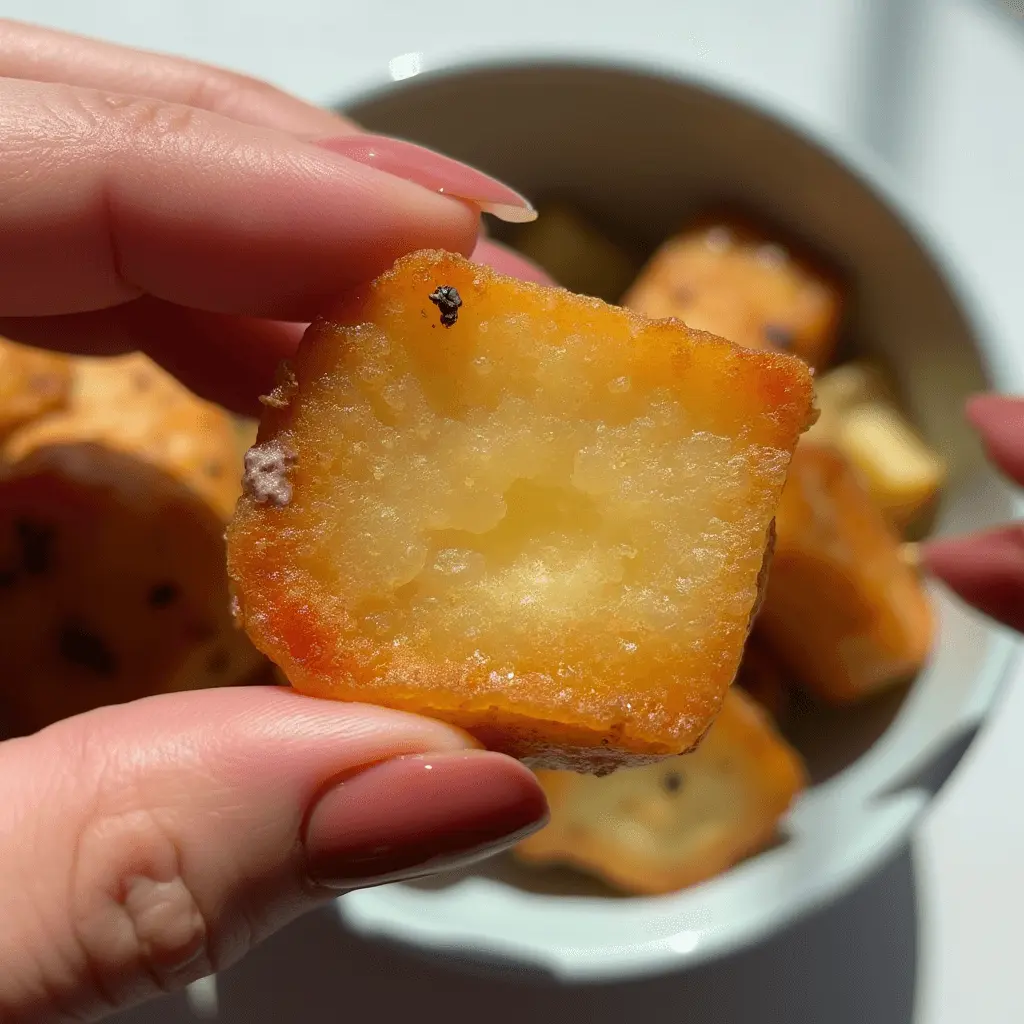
(988, 407)
(414, 816)
(434, 171)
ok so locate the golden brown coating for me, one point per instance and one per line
(32, 382)
(730, 279)
(129, 404)
(112, 587)
(844, 609)
(662, 827)
(544, 523)
(860, 417)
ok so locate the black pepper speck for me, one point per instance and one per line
(447, 299)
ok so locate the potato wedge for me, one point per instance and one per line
(660, 828)
(843, 607)
(129, 404)
(860, 416)
(112, 586)
(736, 281)
(545, 524)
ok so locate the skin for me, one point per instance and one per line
(148, 202)
(151, 203)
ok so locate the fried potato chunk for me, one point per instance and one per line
(129, 404)
(860, 416)
(32, 382)
(545, 523)
(112, 587)
(843, 608)
(660, 828)
(735, 281)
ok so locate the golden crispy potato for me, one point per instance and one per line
(112, 586)
(575, 253)
(733, 280)
(544, 523)
(663, 827)
(32, 382)
(129, 404)
(860, 417)
(843, 607)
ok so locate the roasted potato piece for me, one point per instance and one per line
(575, 253)
(859, 415)
(32, 382)
(734, 281)
(545, 523)
(843, 607)
(112, 587)
(663, 827)
(128, 404)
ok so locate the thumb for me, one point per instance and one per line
(147, 845)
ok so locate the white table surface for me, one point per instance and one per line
(938, 87)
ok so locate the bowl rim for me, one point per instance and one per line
(1004, 373)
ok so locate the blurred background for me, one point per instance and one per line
(935, 88)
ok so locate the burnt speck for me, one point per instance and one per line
(81, 647)
(162, 594)
(447, 299)
(672, 782)
(779, 336)
(218, 661)
(266, 473)
(35, 541)
(214, 469)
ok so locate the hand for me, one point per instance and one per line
(987, 569)
(146, 202)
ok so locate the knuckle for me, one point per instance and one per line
(224, 92)
(137, 116)
(134, 914)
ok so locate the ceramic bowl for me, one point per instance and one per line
(639, 150)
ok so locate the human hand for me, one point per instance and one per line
(147, 202)
(986, 569)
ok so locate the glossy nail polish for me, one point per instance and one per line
(433, 171)
(414, 816)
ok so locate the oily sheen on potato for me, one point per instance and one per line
(522, 511)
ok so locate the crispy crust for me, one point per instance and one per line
(128, 404)
(641, 838)
(297, 619)
(792, 302)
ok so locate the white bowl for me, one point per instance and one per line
(640, 149)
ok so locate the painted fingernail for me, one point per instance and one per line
(414, 816)
(434, 171)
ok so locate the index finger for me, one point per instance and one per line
(106, 197)
(45, 55)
